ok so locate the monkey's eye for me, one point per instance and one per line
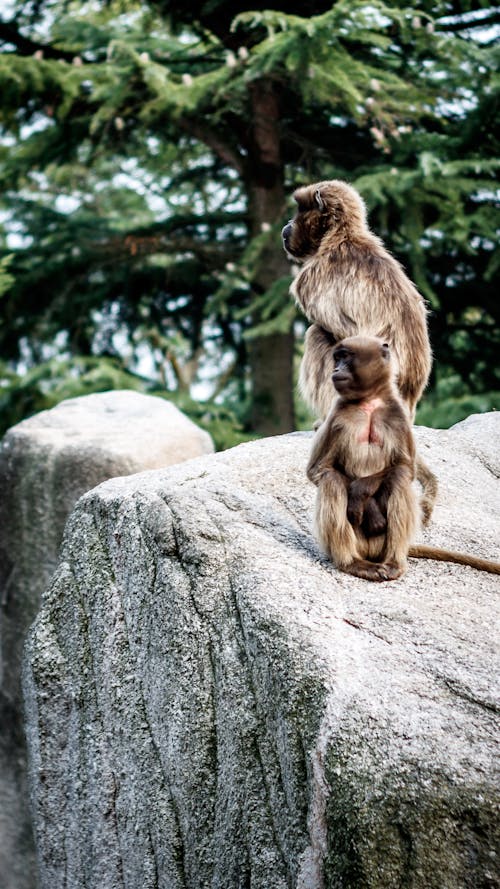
(339, 356)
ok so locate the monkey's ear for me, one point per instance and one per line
(319, 200)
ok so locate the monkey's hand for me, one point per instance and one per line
(329, 474)
(355, 507)
(374, 520)
(316, 473)
(360, 491)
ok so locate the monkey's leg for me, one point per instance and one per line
(429, 489)
(401, 521)
(425, 477)
(334, 532)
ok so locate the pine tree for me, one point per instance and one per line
(153, 150)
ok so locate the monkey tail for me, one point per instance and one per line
(445, 555)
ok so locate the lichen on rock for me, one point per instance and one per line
(46, 463)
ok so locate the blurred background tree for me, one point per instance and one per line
(148, 154)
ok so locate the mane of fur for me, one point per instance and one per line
(343, 206)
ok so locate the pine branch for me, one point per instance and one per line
(9, 33)
(225, 377)
(213, 255)
(213, 140)
(469, 21)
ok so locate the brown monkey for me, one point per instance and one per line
(350, 285)
(363, 463)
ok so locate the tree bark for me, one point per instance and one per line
(271, 357)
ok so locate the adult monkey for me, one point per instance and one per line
(350, 285)
(363, 463)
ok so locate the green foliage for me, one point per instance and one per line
(333, 58)
(449, 404)
(222, 421)
(275, 309)
(48, 383)
(143, 198)
(6, 280)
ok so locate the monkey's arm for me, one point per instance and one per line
(315, 377)
(324, 453)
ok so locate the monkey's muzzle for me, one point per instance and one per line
(341, 381)
(285, 234)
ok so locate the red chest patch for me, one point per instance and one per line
(369, 433)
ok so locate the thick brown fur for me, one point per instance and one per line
(350, 285)
(363, 463)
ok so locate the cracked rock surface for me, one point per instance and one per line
(46, 463)
(211, 705)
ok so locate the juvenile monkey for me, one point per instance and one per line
(363, 463)
(350, 285)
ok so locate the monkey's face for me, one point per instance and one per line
(304, 233)
(361, 364)
(321, 208)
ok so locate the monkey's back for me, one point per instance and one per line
(357, 288)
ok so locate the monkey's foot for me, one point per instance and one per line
(392, 570)
(377, 571)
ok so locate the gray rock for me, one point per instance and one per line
(46, 463)
(211, 705)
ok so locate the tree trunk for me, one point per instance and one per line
(271, 357)
(271, 365)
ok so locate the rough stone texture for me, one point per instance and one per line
(211, 704)
(46, 463)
